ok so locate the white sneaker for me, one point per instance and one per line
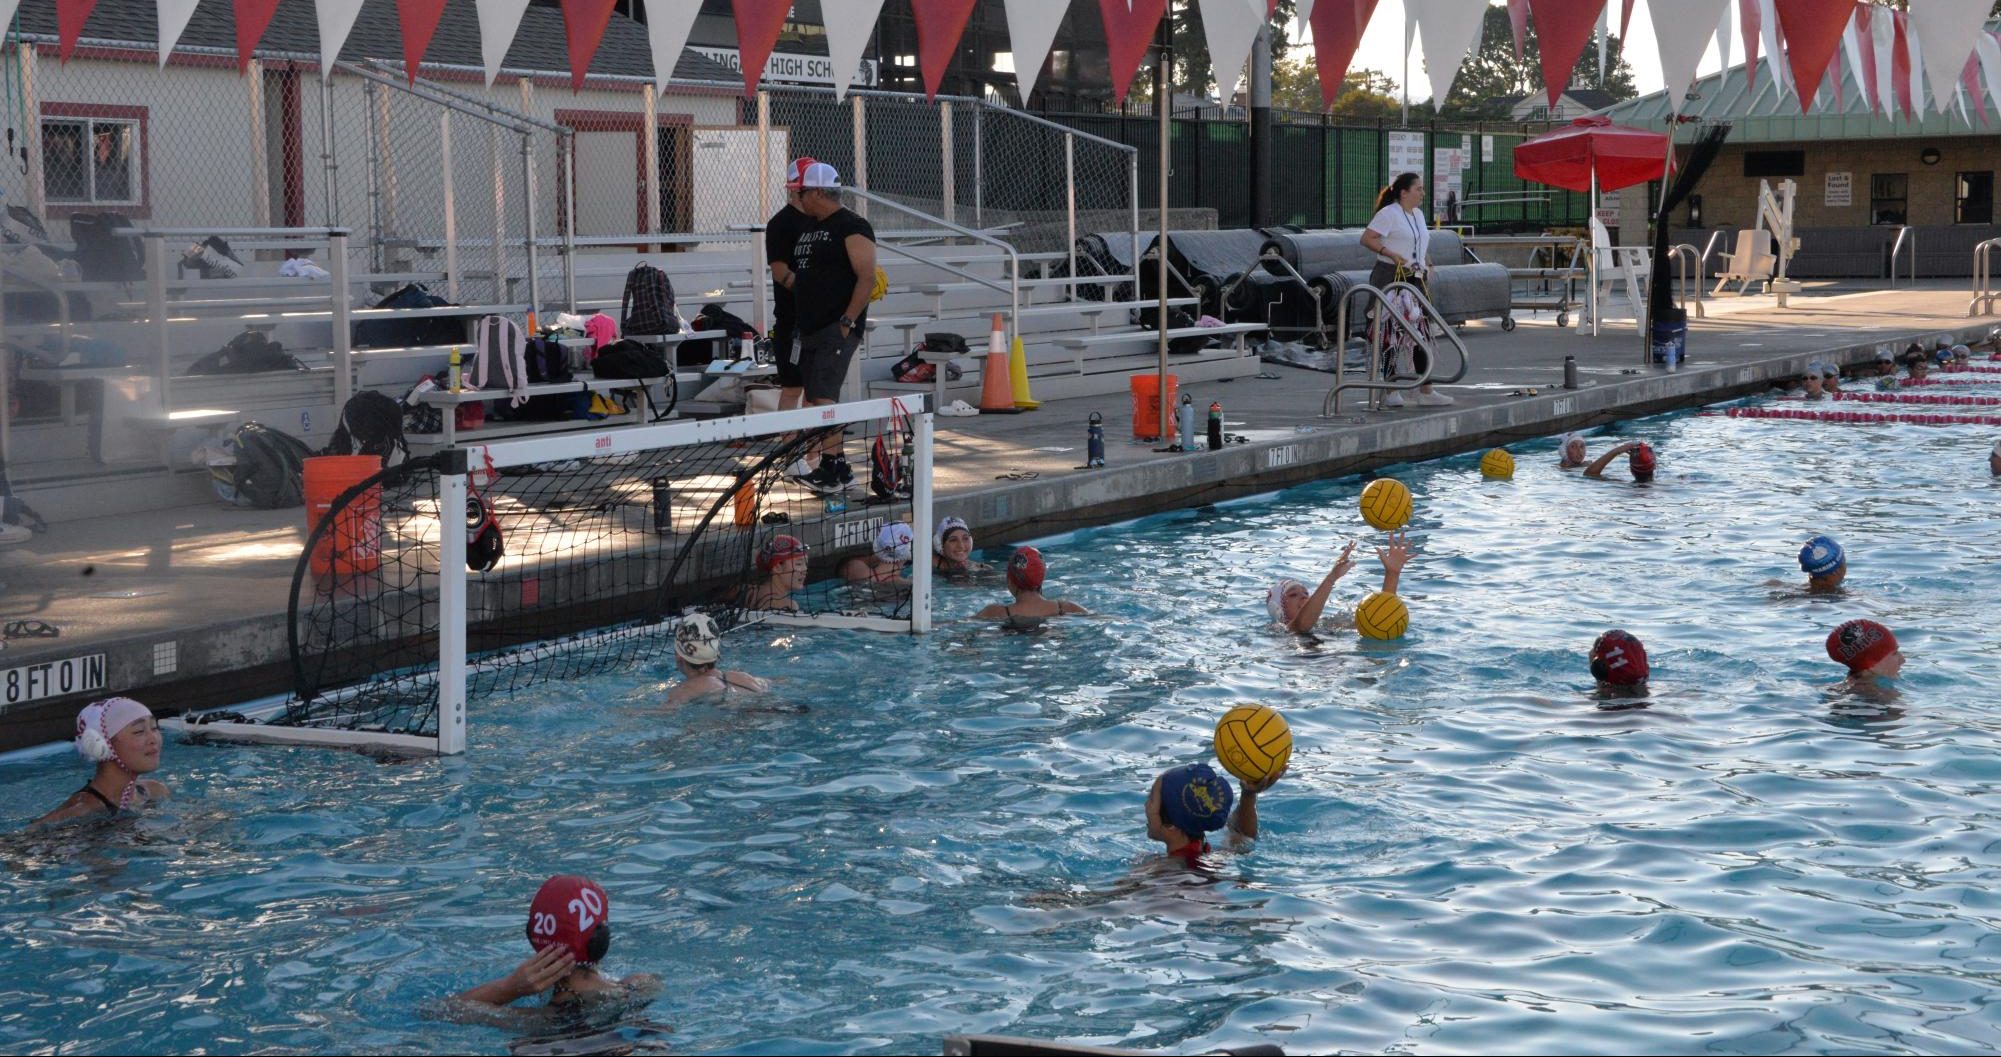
(1393, 399)
(1434, 400)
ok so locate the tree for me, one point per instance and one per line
(1194, 74)
(1365, 94)
(1491, 79)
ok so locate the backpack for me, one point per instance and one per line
(500, 338)
(103, 253)
(647, 306)
(370, 424)
(548, 361)
(630, 359)
(267, 469)
(404, 333)
(912, 368)
(247, 353)
(712, 317)
(427, 418)
(889, 468)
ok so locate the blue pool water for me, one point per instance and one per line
(1469, 854)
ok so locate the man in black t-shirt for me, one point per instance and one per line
(781, 232)
(833, 273)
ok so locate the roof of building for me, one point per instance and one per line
(539, 45)
(1760, 112)
(1589, 98)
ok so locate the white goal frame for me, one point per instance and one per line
(453, 486)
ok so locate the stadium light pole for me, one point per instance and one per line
(1163, 106)
(1261, 127)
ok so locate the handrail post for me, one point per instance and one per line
(156, 306)
(343, 344)
(1070, 205)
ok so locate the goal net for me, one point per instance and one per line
(487, 568)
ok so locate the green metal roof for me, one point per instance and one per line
(1764, 114)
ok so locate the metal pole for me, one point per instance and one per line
(528, 216)
(566, 145)
(920, 518)
(329, 161)
(764, 209)
(260, 169)
(374, 181)
(1406, 71)
(343, 345)
(451, 613)
(31, 104)
(948, 189)
(1070, 205)
(1261, 145)
(499, 211)
(386, 159)
(979, 170)
(1132, 178)
(649, 158)
(861, 152)
(451, 208)
(1161, 107)
(156, 307)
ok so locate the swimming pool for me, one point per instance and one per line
(1470, 853)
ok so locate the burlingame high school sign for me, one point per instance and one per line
(796, 69)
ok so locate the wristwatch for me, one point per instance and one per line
(847, 324)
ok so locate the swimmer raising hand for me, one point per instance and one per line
(538, 973)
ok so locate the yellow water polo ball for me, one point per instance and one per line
(1386, 504)
(1497, 464)
(1253, 741)
(1382, 616)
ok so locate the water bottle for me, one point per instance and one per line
(836, 503)
(663, 512)
(1094, 445)
(1570, 372)
(1215, 425)
(1187, 417)
(456, 376)
(745, 513)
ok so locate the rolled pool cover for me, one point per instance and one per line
(1208, 260)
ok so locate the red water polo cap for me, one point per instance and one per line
(571, 912)
(1642, 461)
(1619, 658)
(1025, 570)
(1860, 644)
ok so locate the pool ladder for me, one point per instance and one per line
(1376, 384)
(1984, 294)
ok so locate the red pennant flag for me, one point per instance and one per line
(253, 17)
(1812, 30)
(1337, 32)
(1563, 27)
(1625, 19)
(1271, 8)
(1866, 48)
(70, 17)
(1900, 65)
(1969, 79)
(583, 28)
(1128, 29)
(940, 23)
(758, 23)
(1748, 27)
(419, 19)
(1518, 19)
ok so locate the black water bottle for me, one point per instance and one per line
(1570, 372)
(1095, 445)
(1216, 426)
(663, 510)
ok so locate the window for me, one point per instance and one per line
(94, 156)
(1764, 163)
(1887, 198)
(1973, 201)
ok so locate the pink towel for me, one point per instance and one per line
(602, 331)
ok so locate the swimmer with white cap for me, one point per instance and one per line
(122, 738)
(884, 565)
(698, 652)
(1570, 452)
(952, 550)
(1295, 609)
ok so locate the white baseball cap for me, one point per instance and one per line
(820, 175)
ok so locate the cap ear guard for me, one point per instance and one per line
(90, 744)
(599, 943)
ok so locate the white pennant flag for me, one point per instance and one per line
(1851, 46)
(1775, 57)
(1682, 30)
(1726, 25)
(1989, 50)
(1883, 39)
(1031, 26)
(174, 15)
(1451, 30)
(1946, 30)
(667, 25)
(498, 20)
(336, 20)
(849, 23)
(1916, 48)
(1305, 12)
(1231, 26)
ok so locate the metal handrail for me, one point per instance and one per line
(1332, 404)
(1896, 249)
(1709, 248)
(1683, 255)
(1984, 294)
(1013, 258)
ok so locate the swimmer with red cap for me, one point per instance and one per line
(1025, 573)
(1294, 609)
(1639, 459)
(122, 738)
(782, 561)
(1619, 663)
(1189, 802)
(1868, 649)
(569, 925)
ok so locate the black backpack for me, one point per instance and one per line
(370, 424)
(647, 306)
(247, 353)
(548, 361)
(270, 469)
(408, 333)
(630, 359)
(103, 253)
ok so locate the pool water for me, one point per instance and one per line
(1472, 852)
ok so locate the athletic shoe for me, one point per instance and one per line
(826, 479)
(802, 468)
(1434, 400)
(1393, 399)
(842, 473)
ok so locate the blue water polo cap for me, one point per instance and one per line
(1194, 799)
(1821, 556)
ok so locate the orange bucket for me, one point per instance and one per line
(354, 544)
(1146, 403)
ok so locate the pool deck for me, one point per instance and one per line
(188, 605)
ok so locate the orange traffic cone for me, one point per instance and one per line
(996, 394)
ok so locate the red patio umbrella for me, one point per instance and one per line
(1569, 157)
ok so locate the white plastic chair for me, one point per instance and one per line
(1751, 260)
(1614, 265)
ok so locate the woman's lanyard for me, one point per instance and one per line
(1416, 237)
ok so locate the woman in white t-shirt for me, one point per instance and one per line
(1397, 235)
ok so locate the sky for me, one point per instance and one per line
(1381, 46)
